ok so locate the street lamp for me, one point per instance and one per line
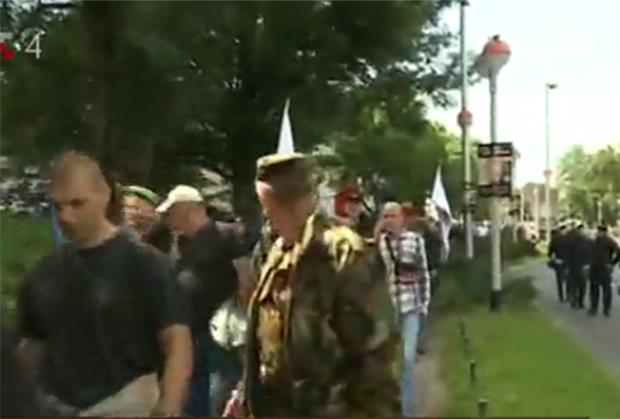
(494, 56)
(548, 88)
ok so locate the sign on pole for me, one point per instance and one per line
(495, 177)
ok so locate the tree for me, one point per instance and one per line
(152, 87)
(588, 180)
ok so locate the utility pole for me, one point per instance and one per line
(465, 120)
(495, 55)
(548, 88)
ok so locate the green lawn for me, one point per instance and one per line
(22, 241)
(526, 367)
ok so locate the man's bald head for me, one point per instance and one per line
(83, 198)
(72, 165)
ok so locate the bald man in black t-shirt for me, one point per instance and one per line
(101, 315)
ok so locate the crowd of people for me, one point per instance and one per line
(577, 260)
(149, 306)
(24, 194)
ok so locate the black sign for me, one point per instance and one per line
(497, 190)
(486, 151)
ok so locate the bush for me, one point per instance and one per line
(467, 283)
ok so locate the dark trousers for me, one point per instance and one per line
(561, 281)
(576, 285)
(197, 403)
(600, 280)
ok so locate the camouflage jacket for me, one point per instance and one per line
(340, 338)
(261, 248)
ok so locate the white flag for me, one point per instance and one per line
(285, 142)
(440, 201)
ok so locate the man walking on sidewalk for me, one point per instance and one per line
(404, 255)
(578, 256)
(605, 254)
(558, 259)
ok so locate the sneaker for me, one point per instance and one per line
(607, 313)
(591, 312)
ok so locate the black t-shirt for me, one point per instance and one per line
(206, 272)
(99, 311)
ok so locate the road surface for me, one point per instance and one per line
(599, 334)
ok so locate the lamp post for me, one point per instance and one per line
(494, 56)
(465, 120)
(548, 88)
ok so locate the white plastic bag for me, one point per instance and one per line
(229, 324)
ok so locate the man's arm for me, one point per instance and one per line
(31, 348)
(425, 272)
(168, 308)
(364, 321)
(615, 251)
(176, 344)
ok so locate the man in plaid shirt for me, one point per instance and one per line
(404, 255)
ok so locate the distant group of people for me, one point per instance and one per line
(148, 306)
(578, 260)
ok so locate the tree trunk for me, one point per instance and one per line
(100, 27)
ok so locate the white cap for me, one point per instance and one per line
(180, 193)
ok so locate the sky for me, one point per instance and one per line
(569, 42)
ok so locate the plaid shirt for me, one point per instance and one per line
(410, 291)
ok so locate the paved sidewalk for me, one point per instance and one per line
(599, 334)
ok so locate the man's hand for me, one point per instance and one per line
(176, 345)
(234, 406)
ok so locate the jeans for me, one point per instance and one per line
(410, 330)
(197, 403)
(225, 373)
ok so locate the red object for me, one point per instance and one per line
(342, 199)
(465, 118)
(6, 52)
(495, 47)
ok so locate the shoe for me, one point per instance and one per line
(592, 313)
(421, 351)
(607, 313)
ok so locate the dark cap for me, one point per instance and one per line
(602, 228)
(273, 164)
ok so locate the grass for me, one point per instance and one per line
(23, 240)
(526, 367)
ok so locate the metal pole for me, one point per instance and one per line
(496, 263)
(547, 168)
(522, 206)
(469, 241)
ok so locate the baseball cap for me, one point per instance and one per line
(180, 193)
(142, 193)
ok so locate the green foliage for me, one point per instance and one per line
(466, 284)
(24, 241)
(153, 88)
(587, 179)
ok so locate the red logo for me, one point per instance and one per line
(6, 52)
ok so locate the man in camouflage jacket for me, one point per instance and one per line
(322, 338)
